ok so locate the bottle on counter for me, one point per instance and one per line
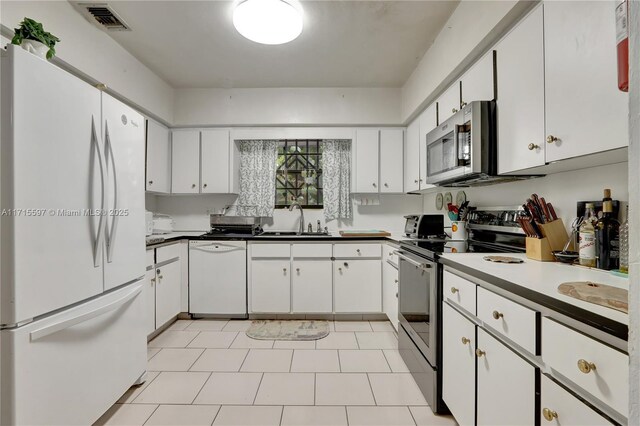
(587, 237)
(624, 244)
(607, 239)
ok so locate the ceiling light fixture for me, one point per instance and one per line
(268, 21)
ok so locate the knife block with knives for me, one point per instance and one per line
(554, 237)
(545, 232)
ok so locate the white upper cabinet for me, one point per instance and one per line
(158, 158)
(585, 111)
(215, 162)
(449, 102)
(478, 82)
(367, 160)
(391, 160)
(520, 101)
(428, 121)
(412, 157)
(185, 163)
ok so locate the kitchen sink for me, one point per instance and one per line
(293, 234)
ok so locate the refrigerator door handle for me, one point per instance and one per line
(97, 244)
(114, 221)
(70, 322)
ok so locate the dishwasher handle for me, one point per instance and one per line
(401, 255)
(217, 248)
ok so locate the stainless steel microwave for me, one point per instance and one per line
(463, 150)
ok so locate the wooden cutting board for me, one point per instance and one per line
(600, 294)
(365, 233)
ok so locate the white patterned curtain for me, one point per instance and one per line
(257, 177)
(336, 177)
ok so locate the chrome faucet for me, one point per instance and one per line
(293, 206)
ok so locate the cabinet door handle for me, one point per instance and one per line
(346, 265)
(160, 277)
(153, 280)
(358, 251)
(552, 139)
(480, 353)
(532, 146)
(415, 181)
(340, 269)
(374, 185)
(395, 281)
(549, 414)
(454, 290)
(463, 104)
(150, 182)
(386, 185)
(454, 110)
(420, 180)
(298, 270)
(204, 185)
(585, 366)
(396, 294)
(193, 185)
(497, 315)
(465, 341)
(284, 269)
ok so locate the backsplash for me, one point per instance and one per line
(562, 190)
(191, 213)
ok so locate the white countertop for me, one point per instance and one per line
(545, 277)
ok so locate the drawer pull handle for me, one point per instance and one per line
(395, 281)
(357, 250)
(284, 269)
(298, 270)
(549, 415)
(586, 366)
(454, 290)
(465, 341)
(497, 315)
(480, 353)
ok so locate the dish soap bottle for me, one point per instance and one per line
(624, 244)
(607, 239)
(587, 238)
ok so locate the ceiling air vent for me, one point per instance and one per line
(103, 15)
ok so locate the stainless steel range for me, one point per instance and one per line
(491, 230)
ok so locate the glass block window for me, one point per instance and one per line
(299, 173)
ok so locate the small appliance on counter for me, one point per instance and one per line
(233, 226)
(148, 219)
(424, 226)
(162, 224)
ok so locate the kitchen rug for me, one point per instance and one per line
(288, 330)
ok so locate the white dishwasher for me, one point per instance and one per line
(218, 278)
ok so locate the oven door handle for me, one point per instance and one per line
(401, 255)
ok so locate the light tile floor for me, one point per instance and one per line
(210, 373)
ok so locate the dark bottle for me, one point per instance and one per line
(607, 239)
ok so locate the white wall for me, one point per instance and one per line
(470, 30)
(287, 106)
(634, 212)
(562, 190)
(191, 213)
(93, 52)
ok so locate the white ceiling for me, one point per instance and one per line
(343, 43)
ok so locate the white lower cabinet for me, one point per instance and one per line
(506, 385)
(149, 298)
(559, 407)
(390, 292)
(312, 286)
(458, 365)
(168, 280)
(357, 286)
(271, 286)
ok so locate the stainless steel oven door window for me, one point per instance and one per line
(417, 300)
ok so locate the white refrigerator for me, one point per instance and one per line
(72, 251)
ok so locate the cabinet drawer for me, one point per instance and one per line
(150, 258)
(509, 318)
(357, 250)
(565, 409)
(311, 250)
(167, 252)
(270, 250)
(460, 291)
(595, 367)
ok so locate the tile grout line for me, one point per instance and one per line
(372, 392)
(339, 361)
(384, 354)
(151, 415)
(200, 390)
(246, 355)
(216, 416)
(315, 383)
(281, 415)
(196, 360)
(153, 356)
(234, 339)
(346, 414)
(258, 389)
(293, 353)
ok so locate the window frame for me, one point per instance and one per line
(296, 156)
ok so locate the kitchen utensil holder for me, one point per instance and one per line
(554, 238)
